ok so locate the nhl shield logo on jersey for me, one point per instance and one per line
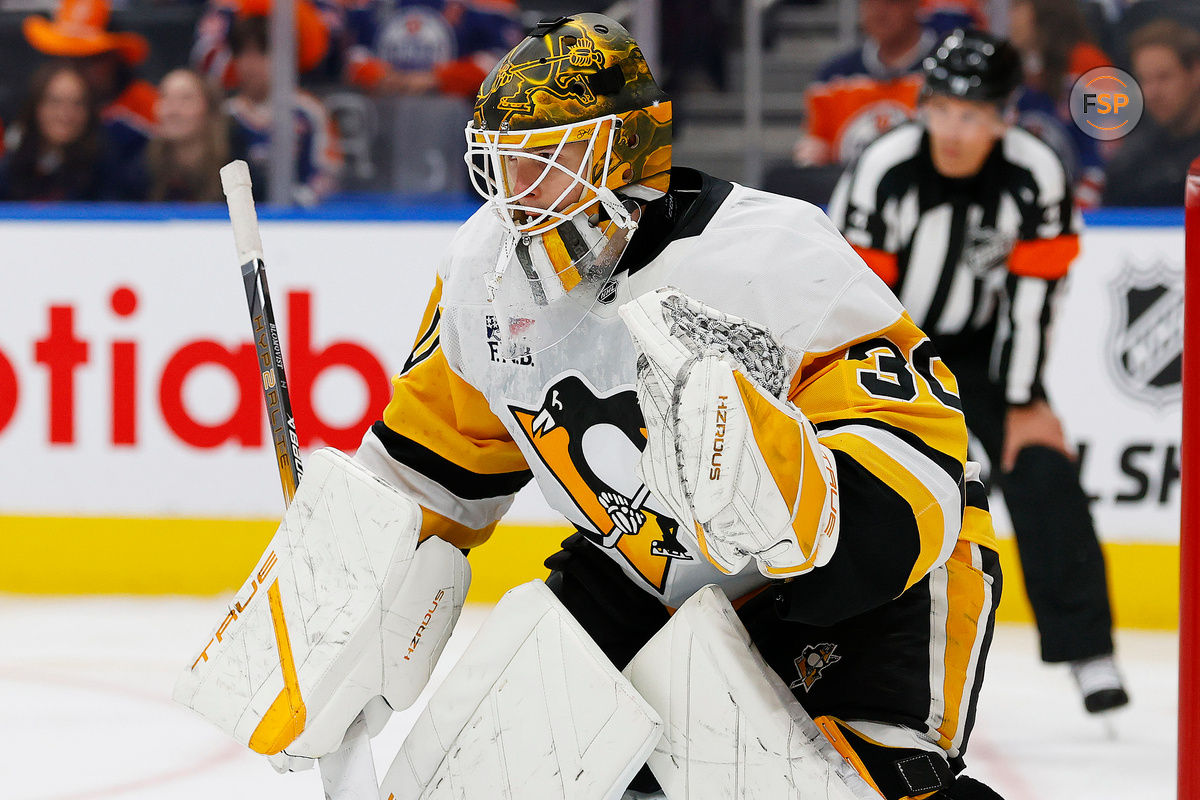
(985, 249)
(1146, 341)
(590, 443)
(812, 663)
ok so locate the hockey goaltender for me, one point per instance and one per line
(784, 576)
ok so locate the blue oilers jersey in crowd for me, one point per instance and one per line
(317, 154)
(422, 34)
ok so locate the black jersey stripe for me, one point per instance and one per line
(977, 495)
(458, 480)
(1037, 390)
(427, 343)
(950, 465)
(950, 259)
(878, 544)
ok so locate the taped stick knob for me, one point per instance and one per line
(239, 196)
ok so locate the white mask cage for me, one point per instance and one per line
(494, 159)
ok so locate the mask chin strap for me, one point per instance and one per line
(621, 216)
(508, 247)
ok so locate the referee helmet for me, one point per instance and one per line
(973, 65)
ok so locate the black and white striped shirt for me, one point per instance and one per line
(976, 261)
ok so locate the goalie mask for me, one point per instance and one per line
(569, 133)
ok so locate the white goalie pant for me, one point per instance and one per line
(533, 710)
(733, 730)
(725, 450)
(342, 609)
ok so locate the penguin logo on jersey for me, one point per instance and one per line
(591, 445)
(812, 663)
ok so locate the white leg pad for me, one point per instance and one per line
(733, 729)
(533, 710)
(341, 609)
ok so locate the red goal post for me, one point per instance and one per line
(1189, 534)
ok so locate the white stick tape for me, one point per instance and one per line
(235, 180)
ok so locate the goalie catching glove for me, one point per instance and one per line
(343, 609)
(733, 461)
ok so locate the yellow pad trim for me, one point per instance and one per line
(792, 465)
(829, 729)
(285, 719)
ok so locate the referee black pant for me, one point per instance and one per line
(1060, 554)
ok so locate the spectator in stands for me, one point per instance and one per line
(865, 92)
(944, 16)
(62, 151)
(79, 32)
(428, 46)
(692, 49)
(318, 158)
(192, 143)
(1150, 166)
(211, 54)
(1055, 46)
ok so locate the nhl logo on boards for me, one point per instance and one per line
(1145, 353)
(812, 663)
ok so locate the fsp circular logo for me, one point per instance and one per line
(1106, 103)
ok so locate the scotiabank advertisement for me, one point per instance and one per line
(127, 370)
(128, 384)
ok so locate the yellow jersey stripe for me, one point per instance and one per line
(928, 510)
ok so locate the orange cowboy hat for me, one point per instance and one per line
(80, 28)
(312, 35)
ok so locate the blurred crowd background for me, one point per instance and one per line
(143, 100)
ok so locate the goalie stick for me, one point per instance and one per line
(348, 773)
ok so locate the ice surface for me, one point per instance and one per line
(85, 713)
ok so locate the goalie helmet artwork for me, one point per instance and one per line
(569, 132)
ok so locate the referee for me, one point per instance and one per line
(972, 223)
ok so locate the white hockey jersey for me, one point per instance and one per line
(466, 428)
